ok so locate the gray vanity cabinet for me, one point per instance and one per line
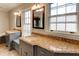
(32, 50)
(10, 37)
(26, 49)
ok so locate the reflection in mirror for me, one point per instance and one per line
(38, 18)
(18, 21)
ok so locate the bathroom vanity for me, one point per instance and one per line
(38, 45)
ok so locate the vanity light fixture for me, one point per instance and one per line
(39, 10)
(36, 6)
(17, 13)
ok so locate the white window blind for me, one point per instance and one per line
(63, 17)
(61, 10)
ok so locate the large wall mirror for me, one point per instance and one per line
(38, 18)
(18, 21)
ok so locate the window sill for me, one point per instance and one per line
(68, 35)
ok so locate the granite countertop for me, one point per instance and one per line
(51, 44)
(2, 34)
(11, 31)
(8, 32)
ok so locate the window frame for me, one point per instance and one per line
(26, 23)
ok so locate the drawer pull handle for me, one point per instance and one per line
(25, 53)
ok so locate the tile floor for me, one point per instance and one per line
(5, 52)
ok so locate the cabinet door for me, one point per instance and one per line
(43, 52)
(3, 40)
(0, 40)
(26, 49)
(26, 52)
(7, 39)
(16, 46)
(20, 51)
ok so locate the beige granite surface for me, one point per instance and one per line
(51, 44)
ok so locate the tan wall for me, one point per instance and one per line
(12, 21)
(4, 21)
(13, 17)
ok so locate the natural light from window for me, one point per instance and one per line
(27, 23)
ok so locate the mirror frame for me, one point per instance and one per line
(43, 14)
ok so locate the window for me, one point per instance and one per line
(27, 22)
(63, 17)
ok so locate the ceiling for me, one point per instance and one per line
(8, 6)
